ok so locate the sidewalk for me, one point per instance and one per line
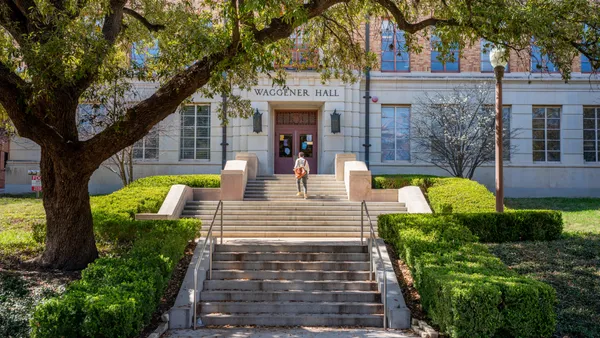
(304, 332)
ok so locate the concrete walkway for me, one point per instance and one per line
(305, 332)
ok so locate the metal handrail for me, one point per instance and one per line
(209, 236)
(371, 239)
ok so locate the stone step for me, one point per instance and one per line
(292, 307)
(292, 195)
(273, 319)
(295, 202)
(276, 177)
(296, 266)
(235, 207)
(293, 192)
(289, 256)
(288, 234)
(282, 224)
(291, 248)
(327, 219)
(292, 198)
(300, 211)
(293, 296)
(289, 285)
(291, 275)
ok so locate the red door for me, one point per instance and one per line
(295, 131)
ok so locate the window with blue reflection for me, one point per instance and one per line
(395, 133)
(140, 53)
(486, 65)
(586, 65)
(437, 65)
(541, 62)
(394, 55)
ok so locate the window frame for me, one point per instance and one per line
(408, 134)
(296, 52)
(395, 31)
(143, 148)
(585, 60)
(195, 138)
(544, 59)
(435, 39)
(596, 131)
(533, 140)
(487, 59)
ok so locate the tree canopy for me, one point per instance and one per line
(53, 51)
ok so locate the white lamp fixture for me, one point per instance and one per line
(498, 57)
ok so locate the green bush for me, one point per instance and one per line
(466, 290)
(116, 296)
(400, 181)
(39, 232)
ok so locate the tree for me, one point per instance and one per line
(455, 131)
(52, 51)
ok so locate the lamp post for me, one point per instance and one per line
(499, 62)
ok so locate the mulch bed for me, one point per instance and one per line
(168, 299)
(405, 279)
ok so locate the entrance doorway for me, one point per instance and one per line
(295, 131)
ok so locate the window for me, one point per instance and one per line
(591, 134)
(486, 65)
(586, 65)
(541, 62)
(394, 57)
(395, 134)
(147, 147)
(299, 53)
(91, 119)
(505, 130)
(546, 134)
(195, 132)
(140, 53)
(450, 65)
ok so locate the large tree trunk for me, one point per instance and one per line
(70, 243)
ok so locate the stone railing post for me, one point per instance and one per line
(358, 181)
(233, 180)
(340, 160)
(252, 165)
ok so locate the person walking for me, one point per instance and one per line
(301, 170)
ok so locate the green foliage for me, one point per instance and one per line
(399, 181)
(116, 296)
(466, 290)
(460, 195)
(39, 232)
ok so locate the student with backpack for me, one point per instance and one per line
(301, 170)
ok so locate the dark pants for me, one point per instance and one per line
(303, 179)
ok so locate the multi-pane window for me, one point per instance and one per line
(586, 65)
(451, 62)
(299, 57)
(505, 130)
(486, 65)
(546, 134)
(195, 132)
(91, 119)
(541, 62)
(394, 55)
(591, 134)
(147, 147)
(395, 133)
(140, 53)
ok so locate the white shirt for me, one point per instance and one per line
(299, 164)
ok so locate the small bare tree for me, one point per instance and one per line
(455, 131)
(105, 105)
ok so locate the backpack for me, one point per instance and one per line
(300, 171)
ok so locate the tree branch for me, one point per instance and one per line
(150, 26)
(14, 19)
(408, 27)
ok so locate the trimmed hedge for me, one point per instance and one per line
(116, 296)
(466, 290)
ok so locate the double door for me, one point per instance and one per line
(291, 140)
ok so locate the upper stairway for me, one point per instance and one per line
(272, 209)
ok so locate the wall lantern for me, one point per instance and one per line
(257, 122)
(335, 122)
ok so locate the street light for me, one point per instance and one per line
(499, 61)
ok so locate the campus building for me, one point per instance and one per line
(555, 153)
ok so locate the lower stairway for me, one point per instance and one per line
(271, 209)
(308, 284)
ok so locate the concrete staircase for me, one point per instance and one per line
(310, 284)
(272, 209)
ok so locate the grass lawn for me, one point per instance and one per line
(571, 265)
(18, 214)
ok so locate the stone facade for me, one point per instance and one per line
(523, 90)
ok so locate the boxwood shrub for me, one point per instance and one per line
(117, 295)
(466, 290)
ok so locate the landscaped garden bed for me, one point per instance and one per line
(463, 287)
(118, 293)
